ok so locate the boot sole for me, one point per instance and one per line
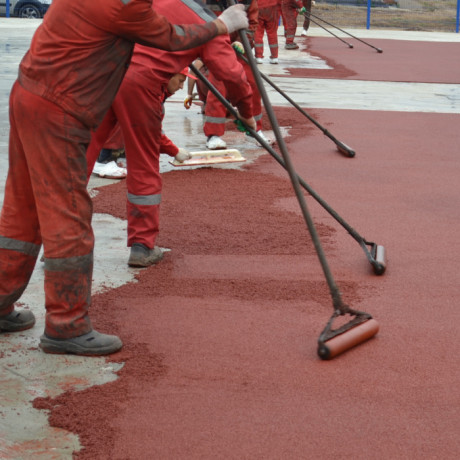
(8, 326)
(59, 347)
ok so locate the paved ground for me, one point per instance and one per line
(220, 361)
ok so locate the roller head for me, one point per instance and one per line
(349, 339)
(379, 256)
(345, 150)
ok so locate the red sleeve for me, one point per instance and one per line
(168, 146)
(138, 22)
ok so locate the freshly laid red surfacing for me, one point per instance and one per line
(220, 337)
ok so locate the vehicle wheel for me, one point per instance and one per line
(29, 12)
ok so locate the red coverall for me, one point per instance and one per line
(306, 21)
(289, 11)
(215, 112)
(67, 81)
(268, 21)
(138, 107)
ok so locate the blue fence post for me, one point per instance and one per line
(458, 15)
(368, 22)
(8, 8)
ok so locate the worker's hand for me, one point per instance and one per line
(183, 155)
(302, 10)
(188, 101)
(250, 122)
(238, 47)
(234, 18)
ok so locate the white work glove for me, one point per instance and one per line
(188, 101)
(182, 155)
(234, 18)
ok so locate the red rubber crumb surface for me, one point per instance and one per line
(220, 337)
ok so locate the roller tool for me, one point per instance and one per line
(341, 147)
(328, 31)
(375, 253)
(349, 333)
(311, 16)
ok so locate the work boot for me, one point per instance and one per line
(291, 46)
(17, 321)
(260, 60)
(215, 143)
(142, 256)
(304, 33)
(273, 60)
(91, 344)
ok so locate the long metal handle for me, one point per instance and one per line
(334, 290)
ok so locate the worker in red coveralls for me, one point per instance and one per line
(307, 4)
(268, 22)
(67, 81)
(138, 108)
(215, 111)
(289, 11)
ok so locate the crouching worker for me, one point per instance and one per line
(138, 108)
(143, 171)
(66, 83)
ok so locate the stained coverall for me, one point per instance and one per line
(306, 22)
(215, 112)
(67, 81)
(139, 110)
(267, 22)
(289, 10)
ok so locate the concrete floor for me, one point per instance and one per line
(25, 372)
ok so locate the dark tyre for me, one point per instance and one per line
(29, 12)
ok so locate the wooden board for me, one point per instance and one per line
(208, 157)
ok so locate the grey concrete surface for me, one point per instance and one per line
(25, 372)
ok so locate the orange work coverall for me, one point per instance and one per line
(138, 108)
(215, 112)
(267, 22)
(66, 83)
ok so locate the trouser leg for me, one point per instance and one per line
(54, 206)
(99, 139)
(272, 31)
(215, 112)
(256, 98)
(139, 111)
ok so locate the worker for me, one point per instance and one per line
(267, 22)
(215, 111)
(289, 10)
(138, 108)
(66, 82)
(306, 10)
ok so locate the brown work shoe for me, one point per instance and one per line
(142, 256)
(17, 321)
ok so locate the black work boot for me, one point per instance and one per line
(142, 256)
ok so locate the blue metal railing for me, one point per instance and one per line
(368, 19)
